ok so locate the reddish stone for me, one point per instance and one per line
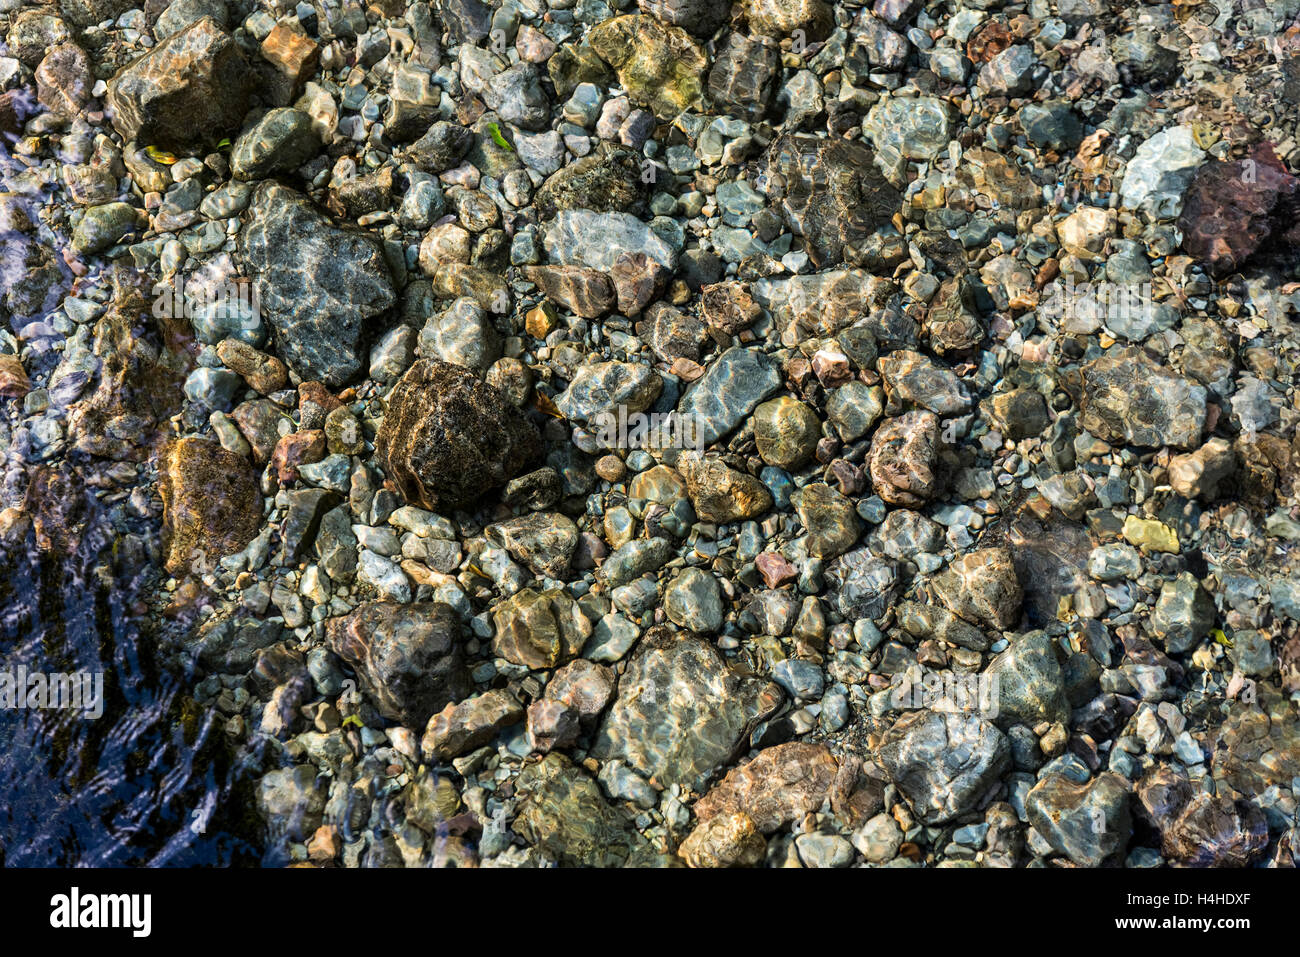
(638, 281)
(1233, 206)
(293, 54)
(831, 368)
(14, 383)
(776, 571)
(316, 392)
(295, 449)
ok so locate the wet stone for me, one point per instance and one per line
(829, 519)
(903, 459)
(1183, 614)
(607, 387)
(719, 704)
(471, 723)
(211, 505)
(741, 78)
(318, 283)
(544, 541)
(912, 127)
(694, 601)
(779, 785)
(944, 763)
(1088, 823)
(1030, 681)
(447, 438)
(539, 629)
(192, 87)
(722, 494)
(562, 812)
(786, 432)
(732, 386)
(833, 194)
(408, 657)
(281, 140)
(658, 65)
(1130, 399)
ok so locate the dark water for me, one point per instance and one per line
(151, 782)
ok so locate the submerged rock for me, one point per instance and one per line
(447, 438)
(211, 505)
(319, 284)
(191, 89)
(675, 681)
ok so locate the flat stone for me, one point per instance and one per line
(318, 284)
(675, 681)
(211, 505)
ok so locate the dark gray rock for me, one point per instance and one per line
(319, 284)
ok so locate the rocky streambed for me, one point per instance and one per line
(655, 433)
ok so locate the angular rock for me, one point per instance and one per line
(1030, 682)
(722, 494)
(584, 237)
(539, 629)
(829, 520)
(318, 284)
(1129, 399)
(659, 66)
(982, 587)
(603, 388)
(677, 681)
(447, 438)
(544, 541)
(781, 18)
(780, 785)
(1183, 615)
(830, 193)
(1203, 473)
(742, 77)
(1229, 208)
(562, 812)
(190, 90)
(904, 459)
(470, 724)
(727, 840)
(1088, 823)
(944, 763)
(281, 140)
(408, 658)
(729, 390)
(584, 292)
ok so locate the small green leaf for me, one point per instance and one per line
(159, 156)
(498, 138)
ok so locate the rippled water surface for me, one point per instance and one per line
(149, 782)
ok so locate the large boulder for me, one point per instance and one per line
(190, 90)
(318, 284)
(447, 438)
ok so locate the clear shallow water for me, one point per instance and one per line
(151, 782)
